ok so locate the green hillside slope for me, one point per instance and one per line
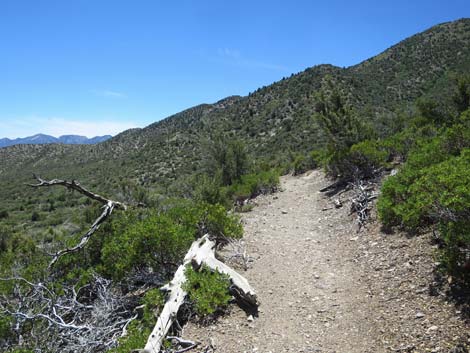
(275, 121)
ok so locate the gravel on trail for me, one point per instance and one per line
(324, 287)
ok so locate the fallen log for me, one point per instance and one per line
(201, 252)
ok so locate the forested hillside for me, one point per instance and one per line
(274, 122)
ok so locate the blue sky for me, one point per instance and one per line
(93, 67)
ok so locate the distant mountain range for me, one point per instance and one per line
(41, 139)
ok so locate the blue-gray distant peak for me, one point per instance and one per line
(39, 139)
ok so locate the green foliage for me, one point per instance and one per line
(5, 328)
(207, 290)
(367, 156)
(139, 331)
(159, 240)
(407, 196)
(433, 187)
(136, 338)
(229, 158)
(462, 95)
(430, 112)
(154, 241)
(153, 302)
(208, 189)
(35, 216)
(342, 128)
(5, 236)
(204, 218)
(252, 185)
(454, 255)
(303, 163)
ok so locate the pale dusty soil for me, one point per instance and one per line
(323, 287)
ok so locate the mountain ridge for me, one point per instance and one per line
(47, 139)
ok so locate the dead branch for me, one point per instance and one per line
(88, 319)
(75, 185)
(108, 207)
(237, 254)
(185, 345)
(201, 252)
(360, 202)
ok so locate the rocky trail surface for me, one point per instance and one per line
(324, 287)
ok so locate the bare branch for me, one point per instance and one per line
(75, 185)
(360, 202)
(108, 207)
(66, 322)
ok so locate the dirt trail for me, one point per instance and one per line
(311, 294)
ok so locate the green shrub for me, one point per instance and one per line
(153, 302)
(209, 189)
(303, 163)
(207, 290)
(433, 194)
(154, 242)
(219, 223)
(342, 127)
(252, 185)
(444, 187)
(35, 216)
(227, 157)
(407, 197)
(319, 157)
(202, 218)
(135, 339)
(139, 330)
(159, 241)
(399, 204)
(368, 156)
(5, 328)
(454, 255)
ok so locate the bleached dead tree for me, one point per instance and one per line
(201, 252)
(88, 319)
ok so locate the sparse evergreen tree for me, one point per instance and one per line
(462, 96)
(229, 158)
(342, 128)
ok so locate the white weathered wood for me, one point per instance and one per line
(207, 257)
(202, 252)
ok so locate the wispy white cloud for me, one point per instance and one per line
(56, 126)
(108, 93)
(229, 53)
(234, 57)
